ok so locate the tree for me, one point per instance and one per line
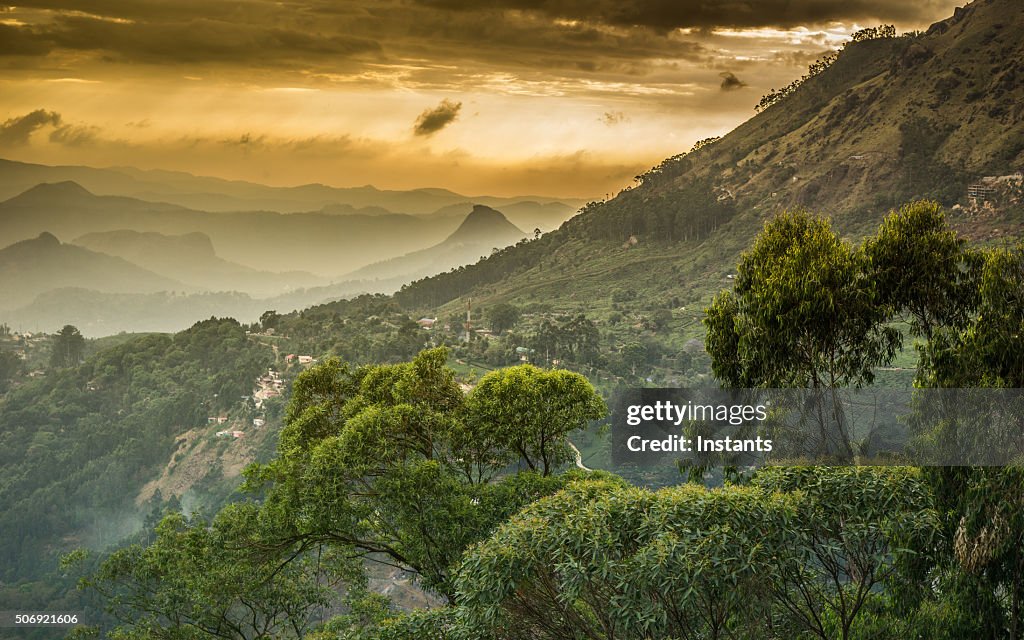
(575, 338)
(983, 508)
(634, 354)
(922, 268)
(803, 313)
(389, 463)
(67, 348)
(502, 317)
(660, 319)
(212, 580)
(10, 367)
(798, 551)
(988, 348)
(528, 413)
(269, 319)
(856, 527)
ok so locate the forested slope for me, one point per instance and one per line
(77, 445)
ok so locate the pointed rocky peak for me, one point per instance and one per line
(46, 239)
(484, 223)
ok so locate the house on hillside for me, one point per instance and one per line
(982, 191)
(988, 188)
(426, 323)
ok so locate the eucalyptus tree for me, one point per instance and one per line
(393, 463)
(922, 268)
(803, 313)
(983, 508)
(527, 414)
(67, 347)
(799, 551)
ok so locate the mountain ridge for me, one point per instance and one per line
(320, 243)
(221, 195)
(892, 119)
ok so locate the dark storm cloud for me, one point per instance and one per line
(324, 36)
(730, 82)
(191, 41)
(666, 15)
(21, 41)
(437, 41)
(17, 131)
(433, 120)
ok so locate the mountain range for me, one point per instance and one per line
(219, 195)
(128, 280)
(320, 243)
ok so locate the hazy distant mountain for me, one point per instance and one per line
(527, 215)
(215, 194)
(482, 231)
(190, 258)
(98, 314)
(264, 240)
(32, 267)
(348, 210)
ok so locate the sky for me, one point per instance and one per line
(568, 98)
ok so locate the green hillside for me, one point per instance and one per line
(78, 445)
(891, 119)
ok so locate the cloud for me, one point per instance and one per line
(17, 131)
(433, 120)
(668, 15)
(612, 118)
(200, 38)
(17, 40)
(435, 45)
(73, 135)
(730, 82)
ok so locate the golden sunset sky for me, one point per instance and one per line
(500, 97)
